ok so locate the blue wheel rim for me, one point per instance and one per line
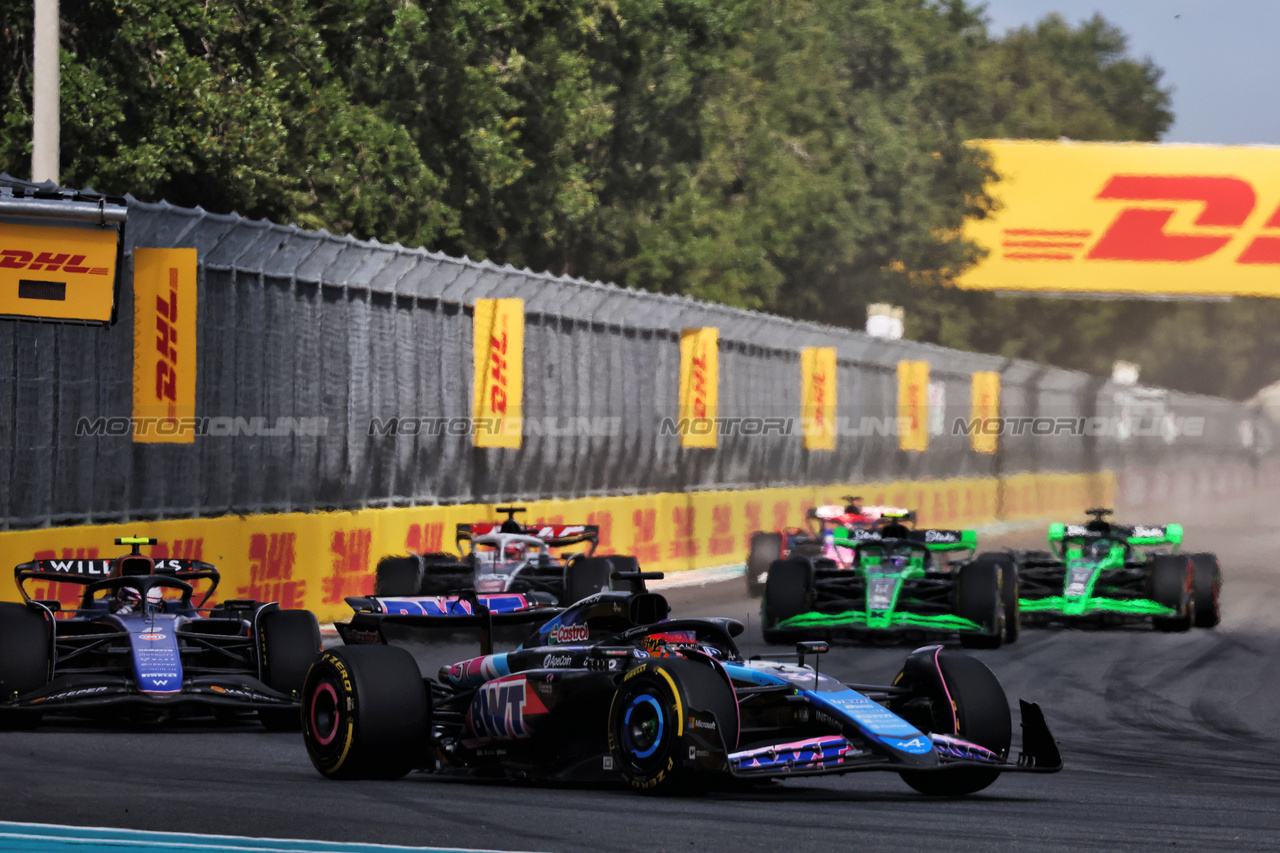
(638, 732)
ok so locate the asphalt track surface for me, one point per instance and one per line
(1170, 742)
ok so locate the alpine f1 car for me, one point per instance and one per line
(816, 539)
(611, 690)
(503, 557)
(1107, 573)
(894, 582)
(138, 646)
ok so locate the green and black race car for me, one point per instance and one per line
(1114, 574)
(894, 582)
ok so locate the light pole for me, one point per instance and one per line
(44, 100)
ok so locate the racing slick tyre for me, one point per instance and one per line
(788, 592)
(979, 599)
(953, 694)
(366, 713)
(288, 643)
(765, 548)
(1009, 593)
(25, 650)
(586, 577)
(665, 712)
(398, 576)
(1170, 583)
(1207, 583)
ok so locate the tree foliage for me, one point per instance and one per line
(800, 156)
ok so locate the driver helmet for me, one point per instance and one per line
(1097, 549)
(513, 551)
(130, 600)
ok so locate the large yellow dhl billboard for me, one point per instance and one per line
(1150, 219)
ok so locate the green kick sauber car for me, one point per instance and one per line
(894, 583)
(1112, 574)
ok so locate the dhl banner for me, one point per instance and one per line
(699, 386)
(818, 397)
(985, 391)
(315, 560)
(498, 348)
(164, 345)
(57, 272)
(913, 405)
(1193, 220)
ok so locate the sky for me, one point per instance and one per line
(1219, 56)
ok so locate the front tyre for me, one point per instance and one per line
(978, 599)
(1207, 584)
(366, 713)
(652, 723)
(765, 548)
(25, 649)
(1171, 584)
(788, 592)
(289, 642)
(953, 694)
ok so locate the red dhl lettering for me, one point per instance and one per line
(18, 259)
(1139, 232)
(700, 386)
(819, 400)
(166, 344)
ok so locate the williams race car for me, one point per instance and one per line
(894, 582)
(610, 690)
(137, 645)
(817, 539)
(1114, 574)
(503, 558)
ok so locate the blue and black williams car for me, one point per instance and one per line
(136, 645)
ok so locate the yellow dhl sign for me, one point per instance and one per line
(57, 272)
(1135, 218)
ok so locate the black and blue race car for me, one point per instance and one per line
(137, 645)
(612, 690)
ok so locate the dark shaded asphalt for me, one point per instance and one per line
(1171, 742)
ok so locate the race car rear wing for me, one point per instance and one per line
(1139, 534)
(934, 540)
(86, 571)
(555, 535)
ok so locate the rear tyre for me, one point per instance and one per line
(366, 713)
(788, 592)
(968, 702)
(651, 730)
(1170, 581)
(586, 577)
(765, 548)
(397, 577)
(24, 659)
(979, 599)
(1207, 583)
(289, 642)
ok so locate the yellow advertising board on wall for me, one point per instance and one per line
(913, 405)
(699, 386)
(498, 350)
(1130, 218)
(985, 411)
(57, 272)
(164, 346)
(818, 397)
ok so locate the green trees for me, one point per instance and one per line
(801, 156)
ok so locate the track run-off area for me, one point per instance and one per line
(1171, 741)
